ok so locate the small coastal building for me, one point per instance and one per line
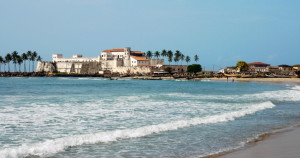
(296, 67)
(230, 70)
(257, 67)
(273, 69)
(285, 68)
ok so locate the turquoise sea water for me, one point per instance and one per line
(95, 117)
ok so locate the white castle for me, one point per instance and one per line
(115, 60)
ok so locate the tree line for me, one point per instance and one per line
(19, 59)
(177, 56)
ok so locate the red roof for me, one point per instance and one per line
(258, 63)
(114, 50)
(139, 58)
(136, 52)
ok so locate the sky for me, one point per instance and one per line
(220, 32)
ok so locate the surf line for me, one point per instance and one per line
(50, 147)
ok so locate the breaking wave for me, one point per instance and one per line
(50, 147)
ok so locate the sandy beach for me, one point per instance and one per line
(295, 80)
(280, 145)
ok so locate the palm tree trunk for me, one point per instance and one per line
(0, 67)
(32, 66)
(29, 66)
(15, 67)
(19, 67)
(24, 65)
(8, 67)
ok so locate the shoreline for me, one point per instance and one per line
(278, 144)
(270, 141)
(231, 79)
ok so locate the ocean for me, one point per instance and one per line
(96, 117)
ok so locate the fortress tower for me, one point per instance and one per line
(127, 51)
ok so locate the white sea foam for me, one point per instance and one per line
(51, 147)
(292, 94)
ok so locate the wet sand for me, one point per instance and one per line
(280, 145)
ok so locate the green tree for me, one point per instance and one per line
(14, 56)
(194, 68)
(29, 53)
(7, 60)
(32, 58)
(1, 62)
(149, 54)
(170, 56)
(177, 56)
(20, 61)
(242, 65)
(163, 53)
(187, 60)
(196, 58)
(157, 54)
(24, 57)
(168, 70)
(39, 58)
(182, 58)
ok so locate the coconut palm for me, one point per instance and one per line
(14, 56)
(39, 58)
(157, 54)
(177, 56)
(182, 58)
(7, 60)
(149, 54)
(170, 56)
(187, 59)
(20, 61)
(32, 58)
(29, 53)
(1, 62)
(24, 57)
(196, 58)
(163, 53)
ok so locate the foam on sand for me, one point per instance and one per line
(50, 147)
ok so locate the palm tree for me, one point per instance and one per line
(24, 57)
(33, 56)
(149, 54)
(157, 54)
(170, 56)
(14, 56)
(182, 58)
(187, 59)
(1, 62)
(196, 58)
(29, 53)
(164, 53)
(39, 58)
(7, 60)
(20, 61)
(177, 56)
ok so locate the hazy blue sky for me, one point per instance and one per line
(219, 31)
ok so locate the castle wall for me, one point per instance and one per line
(132, 70)
(155, 62)
(45, 67)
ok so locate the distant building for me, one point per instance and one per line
(121, 60)
(231, 69)
(296, 67)
(285, 67)
(273, 69)
(258, 67)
